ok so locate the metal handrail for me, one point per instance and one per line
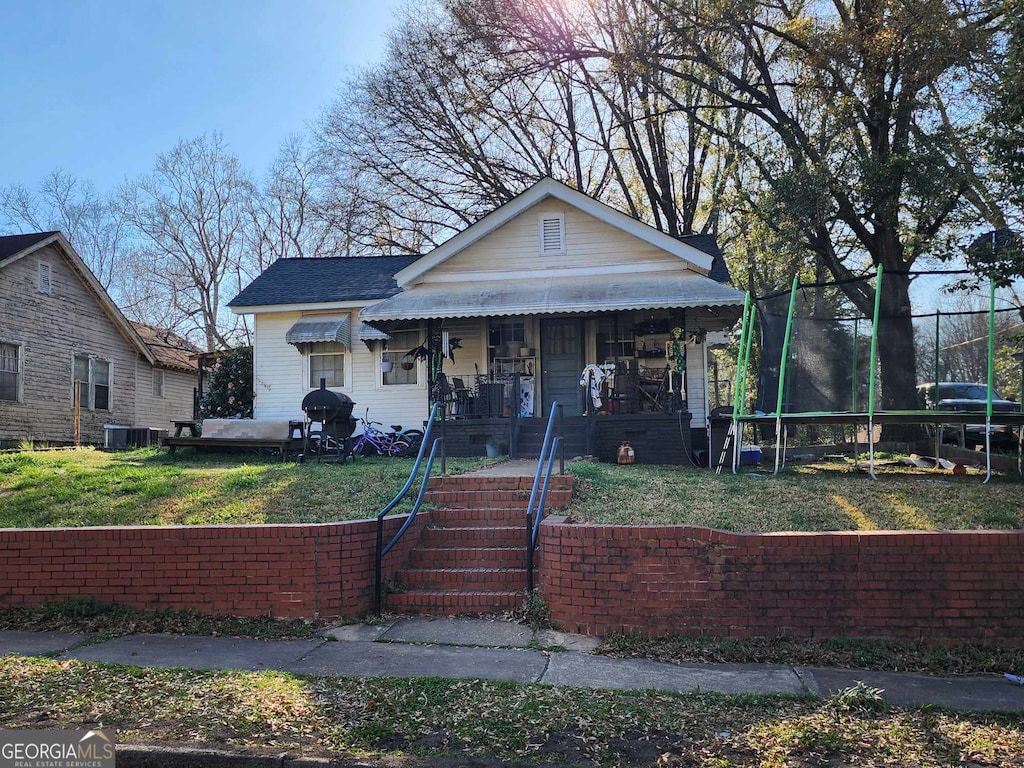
(381, 548)
(551, 443)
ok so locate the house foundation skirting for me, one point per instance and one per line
(656, 580)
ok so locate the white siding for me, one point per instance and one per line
(278, 368)
(590, 244)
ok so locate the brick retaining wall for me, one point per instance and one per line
(284, 571)
(654, 579)
(691, 581)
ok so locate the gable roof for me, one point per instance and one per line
(14, 247)
(170, 349)
(323, 281)
(695, 257)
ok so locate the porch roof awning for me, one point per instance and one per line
(320, 329)
(555, 295)
(367, 332)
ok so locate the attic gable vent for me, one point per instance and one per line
(552, 234)
(45, 278)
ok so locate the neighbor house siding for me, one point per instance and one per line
(590, 244)
(175, 405)
(53, 328)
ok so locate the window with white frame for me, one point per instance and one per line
(93, 379)
(45, 275)
(327, 362)
(405, 370)
(10, 371)
(552, 234)
(158, 382)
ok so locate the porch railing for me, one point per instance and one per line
(382, 549)
(552, 444)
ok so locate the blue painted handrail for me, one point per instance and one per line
(539, 492)
(383, 549)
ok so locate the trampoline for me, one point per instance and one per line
(818, 364)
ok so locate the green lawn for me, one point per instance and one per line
(145, 487)
(806, 497)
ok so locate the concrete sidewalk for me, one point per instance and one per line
(497, 650)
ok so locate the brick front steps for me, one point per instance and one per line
(472, 556)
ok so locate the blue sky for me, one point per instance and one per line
(99, 87)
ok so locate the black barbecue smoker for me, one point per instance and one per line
(329, 424)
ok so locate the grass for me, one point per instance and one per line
(821, 496)
(852, 653)
(145, 487)
(272, 712)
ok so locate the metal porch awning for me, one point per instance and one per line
(556, 295)
(321, 329)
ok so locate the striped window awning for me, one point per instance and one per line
(321, 329)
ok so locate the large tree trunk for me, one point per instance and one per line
(896, 356)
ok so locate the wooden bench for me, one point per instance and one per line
(284, 444)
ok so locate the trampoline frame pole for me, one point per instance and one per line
(739, 394)
(871, 374)
(935, 396)
(991, 376)
(782, 373)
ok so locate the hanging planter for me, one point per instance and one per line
(408, 365)
(386, 365)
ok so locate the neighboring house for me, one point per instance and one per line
(164, 389)
(545, 285)
(65, 346)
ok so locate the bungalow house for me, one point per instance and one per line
(70, 362)
(552, 290)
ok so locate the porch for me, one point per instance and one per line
(656, 438)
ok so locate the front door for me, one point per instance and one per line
(561, 360)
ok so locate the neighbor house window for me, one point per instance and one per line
(45, 283)
(327, 361)
(92, 377)
(552, 234)
(10, 371)
(405, 370)
(158, 383)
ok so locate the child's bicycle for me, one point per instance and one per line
(376, 442)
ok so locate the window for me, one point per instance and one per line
(92, 377)
(158, 383)
(10, 371)
(405, 370)
(552, 234)
(327, 361)
(45, 283)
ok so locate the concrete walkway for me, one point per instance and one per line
(496, 650)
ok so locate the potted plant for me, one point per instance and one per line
(496, 447)
(386, 365)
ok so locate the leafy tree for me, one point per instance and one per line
(857, 130)
(229, 391)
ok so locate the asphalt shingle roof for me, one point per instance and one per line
(314, 281)
(707, 243)
(12, 244)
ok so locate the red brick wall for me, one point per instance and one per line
(260, 570)
(693, 581)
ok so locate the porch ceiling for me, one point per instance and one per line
(557, 295)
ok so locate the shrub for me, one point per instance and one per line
(229, 392)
